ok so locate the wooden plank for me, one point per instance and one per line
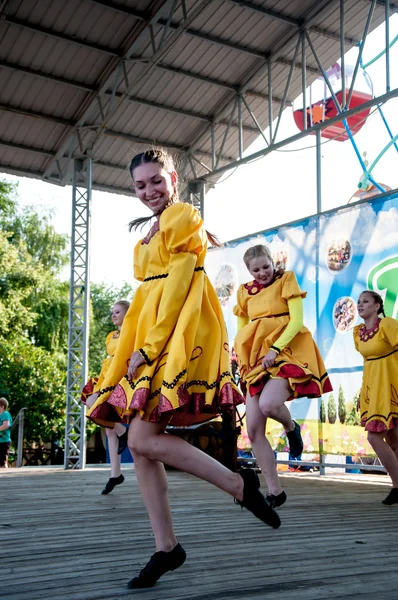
(336, 541)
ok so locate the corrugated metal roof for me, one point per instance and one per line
(97, 68)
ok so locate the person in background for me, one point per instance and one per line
(377, 340)
(278, 359)
(5, 433)
(117, 437)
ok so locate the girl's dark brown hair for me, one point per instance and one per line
(256, 252)
(378, 299)
(165, 160)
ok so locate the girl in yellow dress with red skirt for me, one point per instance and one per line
(172, 362)
(377, 340)
(278, 359)
(117, 436)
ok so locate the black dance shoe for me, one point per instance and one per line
(122, 442)
(295, 441)
(276, 501)
(111, 483)
(254, 501)
(158, 565)
(392, 497)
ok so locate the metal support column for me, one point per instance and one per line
(75, 430)
(197, 191)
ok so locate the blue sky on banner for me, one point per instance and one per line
(276, 189)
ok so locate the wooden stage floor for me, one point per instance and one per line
(61, 540)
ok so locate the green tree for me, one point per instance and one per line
(34, 378)
(33, 317)
(322, 412)
(354, 417)
(331, 409)
(341, 405)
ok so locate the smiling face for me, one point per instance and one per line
(368, 306)
(154, 186)
(261, 268)
(118, 314)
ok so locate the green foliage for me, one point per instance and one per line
(33, 317)
(102, 298)
(34, 378)
(322, 412)
(354, 417)
(341, 405)
(332, 409)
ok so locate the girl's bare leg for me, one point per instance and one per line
(114, 457)
(392, 440)
(386, 455)
(272, 402)
(256, 423)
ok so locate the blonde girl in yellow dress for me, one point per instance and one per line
(377, 340)
(117, 436)
(278, 359)
(172, 362)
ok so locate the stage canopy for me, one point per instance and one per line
(104, 79)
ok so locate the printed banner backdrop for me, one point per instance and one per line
(334, 256)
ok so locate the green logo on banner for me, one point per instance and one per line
(383, 279)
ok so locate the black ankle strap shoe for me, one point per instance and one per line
(254, 501)
(111, 483)
(158, 565)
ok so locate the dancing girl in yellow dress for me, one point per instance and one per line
(377, 340)
(278, 359)
(172, 362)
(117, 436)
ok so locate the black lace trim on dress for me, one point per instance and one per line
(145, 356)
(106, 390)
(164, 275)
(384, 355)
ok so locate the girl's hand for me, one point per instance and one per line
(136, 361)
(269, 359)
(91, 400)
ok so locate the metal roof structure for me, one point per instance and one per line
(203, 78)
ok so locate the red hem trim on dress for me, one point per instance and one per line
(311, 388)
(192, 404)
(378, 426)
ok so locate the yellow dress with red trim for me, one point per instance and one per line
(300, 361)
(175, 321)
(94, 384)
(379, 390)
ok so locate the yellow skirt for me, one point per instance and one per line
(300, 362)
(190, 382)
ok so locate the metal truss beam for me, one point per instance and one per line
(227, 103)
(167, 108)
(170, 146)
(294, 138)
(270, 13)
(93, 89)
(162, 23)
(117, 71)
(75, 429)
(216, 82)
(12, 170)
(51, 153)
(393, 8)
(297, 23)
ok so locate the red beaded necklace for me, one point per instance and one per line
(368, 334)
